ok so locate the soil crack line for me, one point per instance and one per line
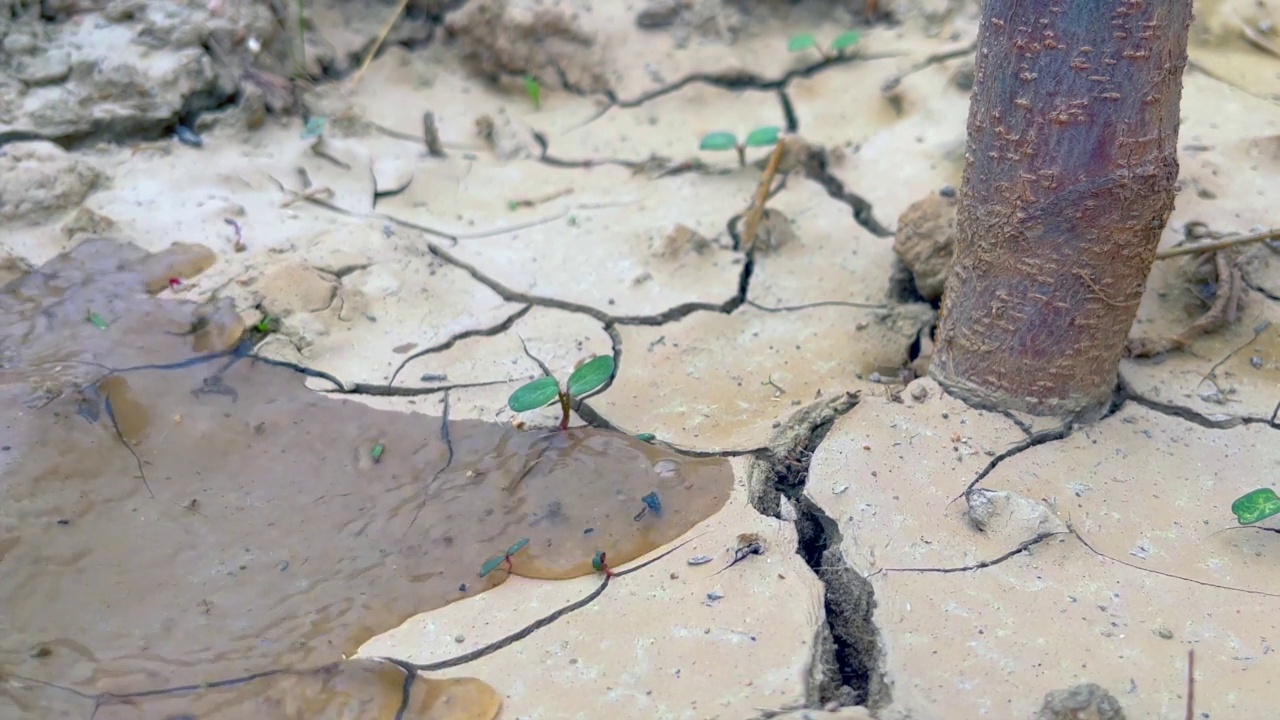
(1058, 433)
(498, 329)
(1021, 548)
(847, 648)
(1071, 528)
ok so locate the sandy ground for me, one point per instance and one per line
(921, 559)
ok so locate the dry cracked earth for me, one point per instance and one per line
(191, 494)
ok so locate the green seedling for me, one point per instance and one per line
(268, 324)
(600, 565)
(808, 41)
(492, 563)
(376, 453)
(646, 437)
(760, 137)
(96, 320)
(533, 89)
(315, 127)
(546, 390)
(1256, 506)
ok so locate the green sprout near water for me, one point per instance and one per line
(492, 563)
(533, 89)
(546, 390)
(1256, 506)
(96, 320)
(760, 137)
(808, 41)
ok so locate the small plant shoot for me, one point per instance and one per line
(533, 89)
(315, 127)
(1256, 506)
(808, 41)
(494, 562)
(546, 390)
(96, 320)
(376, 453)
(760, 137)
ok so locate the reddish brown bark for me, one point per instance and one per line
(1069, 179)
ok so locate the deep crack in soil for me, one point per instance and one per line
(847, 650)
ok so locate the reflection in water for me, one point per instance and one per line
(178, 513)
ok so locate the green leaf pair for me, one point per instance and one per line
(760, 137)
(546, 390)
(808, 41)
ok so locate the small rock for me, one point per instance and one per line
(678, 241)
(19, 43)
(1163, 632)
(459, 638)
(1256, 362)
(699, 560)
(39, 179)
(659, 14)
(924, 241)
(44, 69)
(1088, 701)
(919, 392)
(981, 508)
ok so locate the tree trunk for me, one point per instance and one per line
(1068, 182)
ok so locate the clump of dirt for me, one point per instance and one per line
(1087, 701)
(75, 72)
(925, 241)
(39, 180)
(180, 512)
(502, 38)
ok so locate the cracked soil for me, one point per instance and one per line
(257, 447)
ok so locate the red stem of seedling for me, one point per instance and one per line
(510, 568)
(564, 410)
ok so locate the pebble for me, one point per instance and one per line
(699, 560)
(459, 638)
(187, 136)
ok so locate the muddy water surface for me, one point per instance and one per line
(176, 512)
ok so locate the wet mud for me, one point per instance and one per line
(175, 511)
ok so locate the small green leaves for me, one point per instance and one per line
(533, 89)
(536, 394)
(517, 547)
(1256, 506)
(800, 43)
(844, 42)
(267, 324)
(719, 141)
(315, 127)
(763, 136)
(491, 564)
(376, 453)
(591, 375)
(597, 562)
(96, 320)
(646, 437)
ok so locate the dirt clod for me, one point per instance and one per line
(39, 179)
(926, 232)
(516, 37)
(1087, 701)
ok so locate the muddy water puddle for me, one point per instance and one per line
(176, 512)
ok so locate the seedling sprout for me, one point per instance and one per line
(546, 390)
(1256, 506)
(808, 41)
(533, 89)
(492, 563)
(760, 137)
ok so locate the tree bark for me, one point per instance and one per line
(1069, 179)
